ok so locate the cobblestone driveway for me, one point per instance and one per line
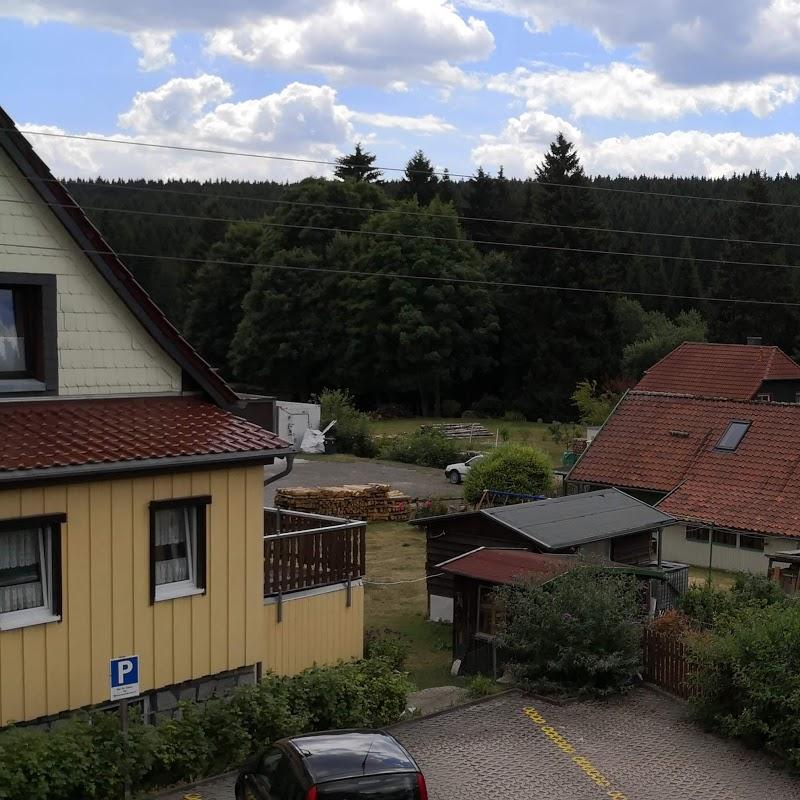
(637, 748)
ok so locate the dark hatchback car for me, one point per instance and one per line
(337, 765)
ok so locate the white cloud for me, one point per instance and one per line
(623, 90)
(384, 41)
(349, 38)
(520, 147)
(688, 41)
(155, 49)
(425, 124)
(302, 120)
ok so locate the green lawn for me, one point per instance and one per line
(720, 578)
(530, 433)
(396, 552)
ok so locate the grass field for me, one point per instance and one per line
(396, 552)
(720, 578)
(530, 433)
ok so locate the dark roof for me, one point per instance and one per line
(503, 566)
(347, 754)
(733, 371)
(561, 522)
(51, 438)
(99, 252)
(668, 443)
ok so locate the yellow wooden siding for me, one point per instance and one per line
(47, 669)
(318, 629)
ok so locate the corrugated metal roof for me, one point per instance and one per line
(578, 519)
(501, 566)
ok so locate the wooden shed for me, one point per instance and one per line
(606, 525)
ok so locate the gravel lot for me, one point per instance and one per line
(415, 481)
(640, 747)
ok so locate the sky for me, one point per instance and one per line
(684, 87)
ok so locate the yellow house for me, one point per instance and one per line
(131, 489)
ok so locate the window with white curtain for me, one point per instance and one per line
(30, 571)
(177, 538)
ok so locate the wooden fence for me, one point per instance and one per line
(666, 664)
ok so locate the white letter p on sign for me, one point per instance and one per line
(123, 668)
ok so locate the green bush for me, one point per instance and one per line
(514, 416)
(351, 431)
(575, 635)
(510, 468)
(392, 646)
(748, 676)
(489, 406)
(427, 448)
(480, 686)
(83, 758)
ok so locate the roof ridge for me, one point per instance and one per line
(709, 399)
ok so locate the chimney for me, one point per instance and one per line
(756, 340)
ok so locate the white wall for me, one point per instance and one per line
(675, 547)
(441, 608)
(102, 348)
(295, 418)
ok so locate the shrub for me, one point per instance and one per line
(510, 468)
(468, 414)
(514, 416)
(480, 686)
(488, 406)
(352, 426)
(388, 645)
(390, 411)
(432, 507)
(83, 758)
(428, 448)
(748, 675)
(593, 405)
(451, 408)
(575, 635)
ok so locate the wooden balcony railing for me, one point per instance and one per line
(306, 551)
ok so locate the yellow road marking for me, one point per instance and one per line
(586, 766)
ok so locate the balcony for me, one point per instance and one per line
(308, 551)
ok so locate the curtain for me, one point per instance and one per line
(21, 570)
(175, 535)
(12, 343)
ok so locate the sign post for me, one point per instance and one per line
(124, 685)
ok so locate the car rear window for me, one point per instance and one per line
(371, 787)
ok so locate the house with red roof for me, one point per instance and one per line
(733, 371)
(728, 469)
(132, 519)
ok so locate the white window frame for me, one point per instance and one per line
(36, 615)
(189, 586)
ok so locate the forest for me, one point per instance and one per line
(437, 295)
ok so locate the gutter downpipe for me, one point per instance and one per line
(283, 473)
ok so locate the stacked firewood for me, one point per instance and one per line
(371, 502)
(459, 430)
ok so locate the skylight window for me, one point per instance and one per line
(733, 436)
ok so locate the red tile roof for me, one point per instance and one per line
(734, 371)
(52, 434)
(502, 566)
(667, 443)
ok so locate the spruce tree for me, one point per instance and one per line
(420, 179)
(357, 166)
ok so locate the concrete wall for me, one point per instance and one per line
(295, 418)
(102, 347)
(675, 547)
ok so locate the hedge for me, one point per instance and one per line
(510, 468)
(83, 758)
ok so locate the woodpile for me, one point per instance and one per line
(459, 430)
(371, 502)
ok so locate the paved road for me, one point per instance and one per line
(416, 481)
(638, 748)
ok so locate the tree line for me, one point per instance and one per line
(416, 291)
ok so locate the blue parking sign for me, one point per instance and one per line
(124, 677)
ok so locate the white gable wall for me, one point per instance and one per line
(102, 347)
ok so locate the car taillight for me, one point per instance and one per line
(312, 793)
(422, 789)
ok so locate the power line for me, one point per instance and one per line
(368, 209)
(428, 278)
(429, 237)
(299, 160)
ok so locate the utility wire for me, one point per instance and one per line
(405, 276)
(398, 583)
(429, 237)
(299, 160)
(367, 209)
